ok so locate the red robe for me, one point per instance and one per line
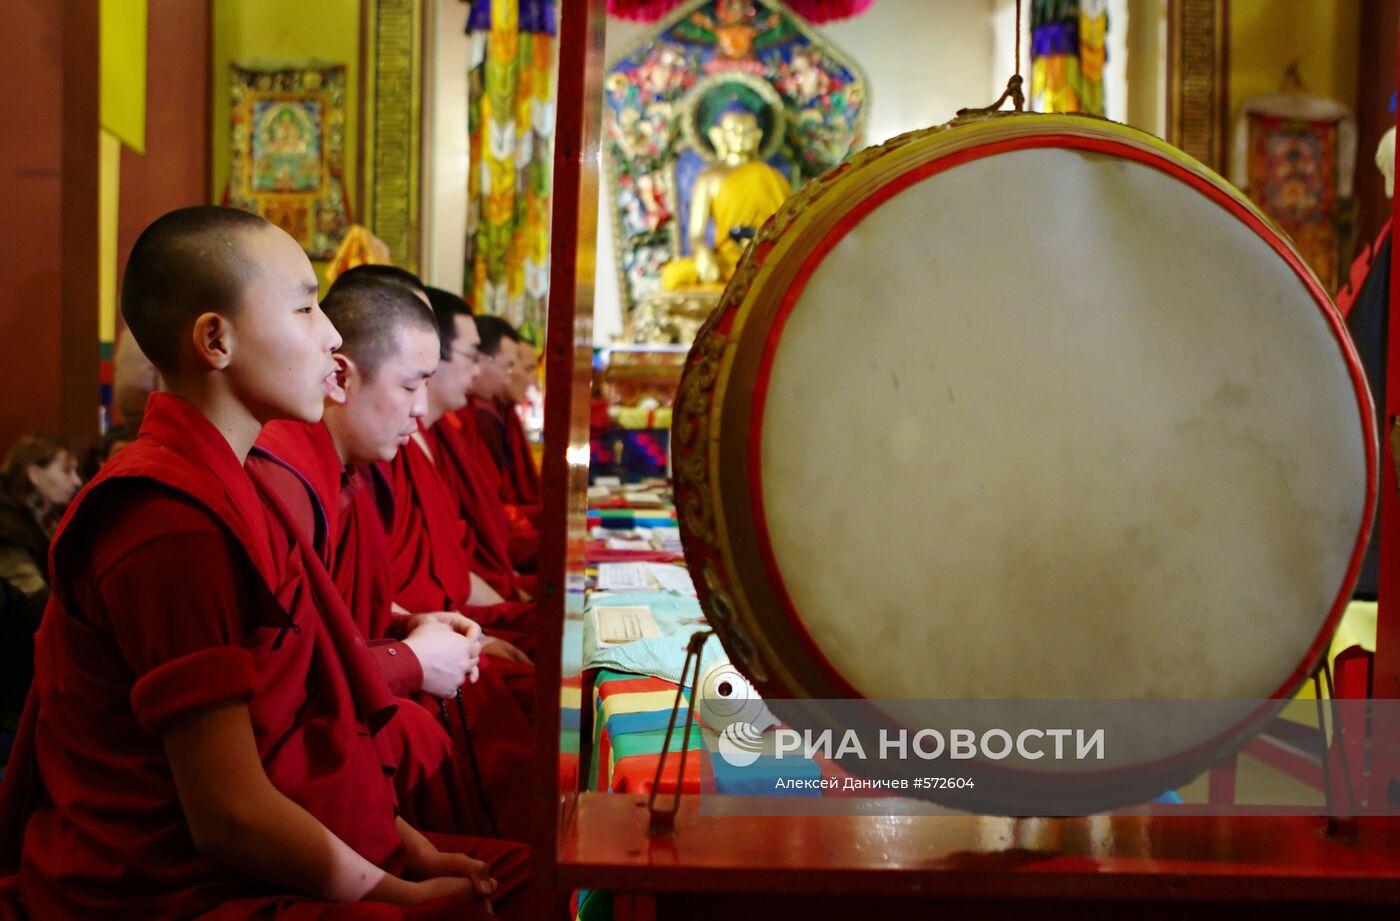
(484, 431)
(490, 430)
(497, 706)
(433, 780)
(488, 528)
(199, 597)
(520, 488)
(521, 483)
(430, 568)
(298, 464)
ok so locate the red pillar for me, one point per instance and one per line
(568, 368)
(1385, 757)
(31, 149)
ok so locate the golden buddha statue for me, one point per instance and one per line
(739, 192)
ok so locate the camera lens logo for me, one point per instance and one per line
(740, 744)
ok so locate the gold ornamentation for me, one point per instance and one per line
(722, 613)
(671, 317)
(395, 138)
(695, 500)
(738, 287)
(808, 195)
(690, 438)
(1196, 99)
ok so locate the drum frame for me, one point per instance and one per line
(719, 491)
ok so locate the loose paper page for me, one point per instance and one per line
(622, 543)
(623, 577)
(672, 578)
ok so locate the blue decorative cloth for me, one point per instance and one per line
(535, 16)
(677, 616)
(761, 778)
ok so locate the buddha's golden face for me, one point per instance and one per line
(737, 136)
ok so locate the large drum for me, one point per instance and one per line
(1028, 407)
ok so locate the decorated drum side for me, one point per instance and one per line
(1028, 407)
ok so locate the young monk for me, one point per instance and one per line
(458, 368)
(463, 469)
(428, 541)
(413, 557)
(500, 345)
(199, 735)
(390, 350)
(485, 426)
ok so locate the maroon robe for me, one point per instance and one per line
(485, 515)
(299, 462)
(430, 568)
(483, 430)
(490, 439)
(178, 587)
(521, 484)
(433, 778)
(497, 706)
(430, 571)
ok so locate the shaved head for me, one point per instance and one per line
(459, 362)
(189, 262)
(446, 308)
(493, 329)
(389, 273)
(372, 314)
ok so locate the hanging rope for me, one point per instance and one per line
(1016, 61)
(1013, 90)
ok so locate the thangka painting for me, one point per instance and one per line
(287, 138)
(663, 96)
(1293, 176)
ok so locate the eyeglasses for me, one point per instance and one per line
(473, 356)
(507, 368)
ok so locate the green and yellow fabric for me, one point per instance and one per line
(510, 123)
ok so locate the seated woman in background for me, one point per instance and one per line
(38, 480)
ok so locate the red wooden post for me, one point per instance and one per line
(1222, 782)
(1385, 756)
(568, 369)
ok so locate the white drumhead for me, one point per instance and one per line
(1053, 424)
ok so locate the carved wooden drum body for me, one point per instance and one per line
(1031, 407)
